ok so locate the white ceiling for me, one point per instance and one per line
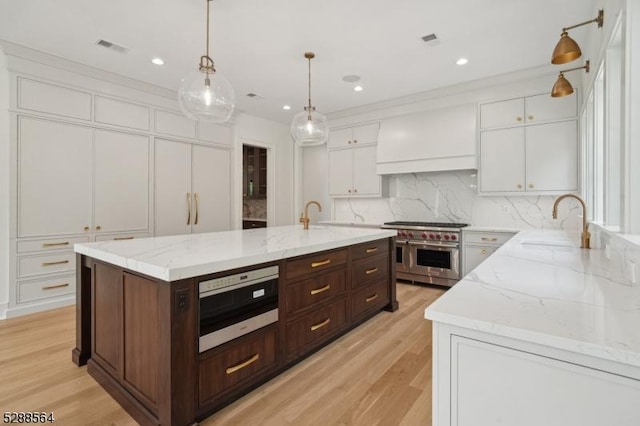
(258, 45)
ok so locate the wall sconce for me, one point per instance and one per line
(567, 49)
(562, 86)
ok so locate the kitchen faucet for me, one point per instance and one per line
(304, 216)
(586, 236)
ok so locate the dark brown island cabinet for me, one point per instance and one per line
(139, 335)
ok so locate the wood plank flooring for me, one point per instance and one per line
(378, 374)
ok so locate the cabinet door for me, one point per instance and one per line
(366, 134)
(502, 160)
(54, 178)
(552, 157)
(121, 181)
(211, 189)
(543, 107)
(341, 172)
(475, 255)
(172, 188)
(502, 114)
(340, 138)
(365, 179)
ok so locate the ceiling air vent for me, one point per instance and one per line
(112, 46)
(430, 40)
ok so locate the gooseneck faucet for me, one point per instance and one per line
(304, 216)
(586, 236)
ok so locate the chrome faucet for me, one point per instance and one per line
(304, 216)
(586, 236)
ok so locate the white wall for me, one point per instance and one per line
(274, 136)
(4, 185)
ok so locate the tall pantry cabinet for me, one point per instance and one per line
(87, 166)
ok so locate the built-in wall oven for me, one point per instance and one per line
(428, 252)
(235, 305)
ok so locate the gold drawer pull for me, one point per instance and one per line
(321, 263)
(122, 238)
(66, 243)
(51, 287)
(483, 251)
(61, 262)
(371, 271)
(242, 365)
(489, 239)
(322, 324)
(320, 290)
(372, 298)
(372, 250)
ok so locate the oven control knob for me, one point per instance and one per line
(410, 234)
(446, 237)
(438, 236)
(432, 237)
(453, 238)
(424, 235)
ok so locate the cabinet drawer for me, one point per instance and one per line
(309, 331)
(46, 288)
(367, 270)
(237, 364)
(50, 244)
(494, 238)
(46, 264)
(368, 250)
(370, 298)
(119, 237)
(315, 262)
(315, 290)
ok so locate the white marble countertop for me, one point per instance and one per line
(554, 294)
(185, 256)
(346, 223)
(489, 229)
(255, 219)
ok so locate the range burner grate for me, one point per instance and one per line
(427, 224)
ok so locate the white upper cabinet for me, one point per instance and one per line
(121, 113)
(551, 157)
(54, 177)
(502, 114)
(211, 189)
(541, 108)
(52, 99)
(174, 124)
(215, 133)
(502, 160)
(352, 172)
(121, 169)
(366, 134)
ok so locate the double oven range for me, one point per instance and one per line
(428, 252)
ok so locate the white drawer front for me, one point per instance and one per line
(494, 238)
(120, 237)
(43, 289)
(50, 244)
(46, 264)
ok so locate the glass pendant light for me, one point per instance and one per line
(309, 128)
(204, 93)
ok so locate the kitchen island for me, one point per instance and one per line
(541, 333)
(140, 318)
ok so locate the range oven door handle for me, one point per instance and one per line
(425, 244)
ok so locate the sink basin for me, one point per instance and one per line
(549, 243)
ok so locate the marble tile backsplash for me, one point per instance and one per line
(452, 197)
(619, 251)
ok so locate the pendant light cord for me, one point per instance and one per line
(208, 1)
(309, 90)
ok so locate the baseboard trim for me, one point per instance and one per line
(3, 310)
(31, 308)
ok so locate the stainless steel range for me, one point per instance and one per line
(428, 252)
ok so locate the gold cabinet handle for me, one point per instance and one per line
(320, 325)
(320, 290)
(197, 198)
(66, 243)
(349, 191)
(531, 186)
(518, 118)
(321, 263)
(86, 228)
(488, 239)
(483, 251)
(519, 186)
(61, 262)
(242, 365)
(355, 190)
(355, 141)
(122, 238)
(372, 250)
(372, 298)
(349, 142)
(188, 208)
(371, 271)
(98, 228)
(530, 117)
(51, 287)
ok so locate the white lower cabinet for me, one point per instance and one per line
(477, 246)
(192, 188)
(483, 380)
(352, 172)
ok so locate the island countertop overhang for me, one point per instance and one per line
(185, 256)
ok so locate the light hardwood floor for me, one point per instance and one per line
(378, 374)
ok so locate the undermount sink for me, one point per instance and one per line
(549, 243)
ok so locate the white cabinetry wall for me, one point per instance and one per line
(84, 171)
(352, 162)
(529, 145)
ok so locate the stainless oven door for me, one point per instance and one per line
(402, 256)
(440, 260)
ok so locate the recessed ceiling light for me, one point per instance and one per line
(358, 88)
(286, 107)
(157, 61)
(462, 61)
(351, 78)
